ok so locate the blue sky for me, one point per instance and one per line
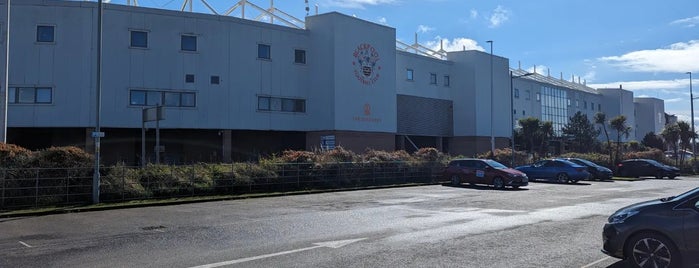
(647, 46)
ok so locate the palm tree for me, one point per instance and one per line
(530, 127)
(546, 132)
(671, 135)
(601, 118)
(685, 138)
(619, 124)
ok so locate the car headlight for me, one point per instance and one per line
(620, 217)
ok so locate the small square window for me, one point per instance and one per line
(524, 112)
(514, 111)
(263, 103)
(45, 34)
(44, 95)
(516, 93)
(264, 51)
(154, 98)
(172, 99)
(538, 96)
(12, 95)
(409, 74)
(300, 56)
(189, 78)
(137, 97)
(189, 43)
(446, 81)
(188, 100)
(215, 80)
(433, 78)
(139, 39)
(26, 95)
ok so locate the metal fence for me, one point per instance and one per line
(41, 187)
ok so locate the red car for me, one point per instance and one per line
(484, 171)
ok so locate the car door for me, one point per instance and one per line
(468, 171)
(550, 169)
(691, 225)
(479, 175)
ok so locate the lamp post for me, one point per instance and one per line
(512, 116)
(691, 104)
(6, 89)
(97, 134)
(492, 135)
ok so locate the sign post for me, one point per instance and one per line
(151, 114)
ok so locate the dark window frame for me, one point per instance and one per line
(45, 37)
(186, 43)
(299, 56)
(135, 42)
(264, 51)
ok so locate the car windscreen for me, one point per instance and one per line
(655, 163)
(687, 194)
(495, 164)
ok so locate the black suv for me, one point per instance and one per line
(646, 168)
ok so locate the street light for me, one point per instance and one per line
(691, 104)
(492, 135)
(512, 116)
(97, 134)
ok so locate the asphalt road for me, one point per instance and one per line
(542, 225)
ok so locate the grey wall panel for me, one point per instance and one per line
(424, 116)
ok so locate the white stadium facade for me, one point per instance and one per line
(234, 89)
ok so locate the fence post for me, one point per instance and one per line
(36, 189)
(298, 176)
(191, 183)
(4, 177)
(123, 183)
(67, 185)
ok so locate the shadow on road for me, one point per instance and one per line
(553, 182)
(483, 187)
(620, 264)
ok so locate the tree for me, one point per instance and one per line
(622, 129)
(530, 128)
(685, 138)
(601, 118)
(545, 133)
(671, 134)
(582, 131)
(651, 140)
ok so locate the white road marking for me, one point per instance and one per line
(329, 244)
(25, 244)
(596, 262)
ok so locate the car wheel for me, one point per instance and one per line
(652, 250)
(659, 175)
(562, 177)
(455, 180)
(498, 183)
(515, 187)
(672, 177)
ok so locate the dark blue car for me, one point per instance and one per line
(557, 170)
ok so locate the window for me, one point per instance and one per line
(33, 95)
(446, 81)
(514, 111)
(577, 104)
(189, 78)
(189, 43)
(538, 96)
(524, 112)
(265, 103)
(299, 56)
(409, 74)
(516, 93)
(599, 107)
(215, 80)
(264, 51)
(433, 78)
(592, 106)
(166, 98)
(528, 95)
(568, 102)
(584, 104)
(45, 34)
(139, 39)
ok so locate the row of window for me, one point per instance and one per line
(165, 98)
(410, 76)
(577, 102)
(267, 103)
(41, 95)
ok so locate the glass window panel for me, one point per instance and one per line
(409, 74)
(189, 100)
(189, 43)
(433, 78)
(154, 98)
(300, 106)
(300, 56)
(12, 95)
(446, 81)
(263, 51)
(263, 103)
(275, 104)
(26, 95)
(44, 33)
(138, 97)
(44, 95)
(139, 39)
(172, 99)
(288, 105)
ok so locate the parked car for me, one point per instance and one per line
(484, 171)
(597, 172)
(656, 233)
(558, 170)
(646, 168)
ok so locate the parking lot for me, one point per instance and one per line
(540, 225)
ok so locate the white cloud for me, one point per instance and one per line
(540, 69)
(687, 22)
(474, 14)
(424, 29)
(382, 20)
(500, 15)
(677, 58)
(457, 44)
(358, 4)
(672, 100)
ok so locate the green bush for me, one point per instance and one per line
(504, 156)
(13, 156)
(339, 154)
(62, 157)
(600, 159)
(653, 153)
